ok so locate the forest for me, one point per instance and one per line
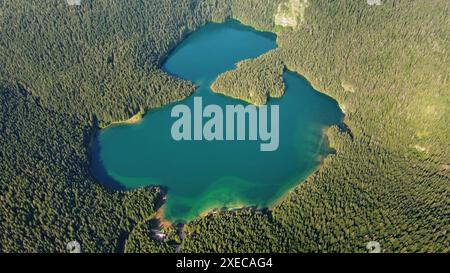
(254, 81)
(66, 71)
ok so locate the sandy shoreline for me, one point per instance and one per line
(133, 120)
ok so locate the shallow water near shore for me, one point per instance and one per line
(202, 175)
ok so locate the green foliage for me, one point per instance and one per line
(140, 205)
(142, 240)
(244, 231)
(259, 14)
(253, 80)
(64, 70)
(100, 58)
(388, 66)
(48, 197)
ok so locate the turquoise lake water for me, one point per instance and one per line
(202, 175)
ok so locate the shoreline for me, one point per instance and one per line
(159, 216)
(132, 120)
(214, 210)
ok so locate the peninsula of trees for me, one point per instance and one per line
(254, 80)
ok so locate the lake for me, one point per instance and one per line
(202, 175)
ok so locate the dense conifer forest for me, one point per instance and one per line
(66, 71)
(254, 81)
